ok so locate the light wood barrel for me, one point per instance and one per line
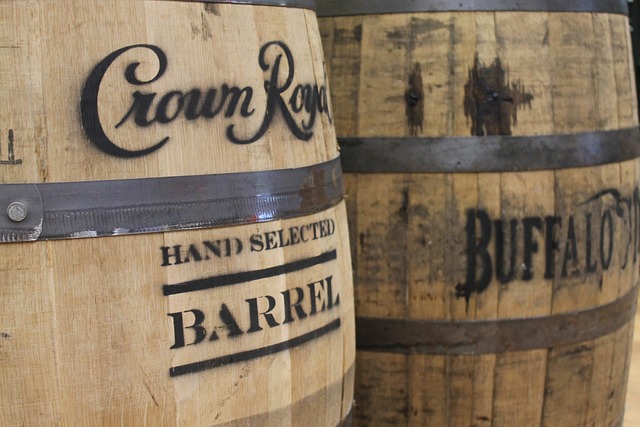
(489, 150)
(174, 247)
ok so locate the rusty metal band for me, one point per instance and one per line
(109, 208)
(412, 336)
(302, 4)
(332, 8)
(488, 153)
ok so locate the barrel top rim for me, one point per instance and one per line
(301, 4)
(335, 8)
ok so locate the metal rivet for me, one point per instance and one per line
(17, 211)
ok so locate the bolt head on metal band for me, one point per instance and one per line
(23, 218)
(17, 212)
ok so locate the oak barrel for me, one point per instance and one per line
(490, 156)
(173, 240)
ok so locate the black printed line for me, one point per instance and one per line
(247, 276)
(245, 356)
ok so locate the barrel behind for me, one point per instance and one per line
(173, 236)
(490, 157)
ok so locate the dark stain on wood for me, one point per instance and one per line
(357, 33)
(403, 36)
(414, 101)
(347, 36)
(491, 102)
(404, 208)
(362, 239)
(575, 351)
(423, 26)
(203, 30)
(397, 35)
(212, 8)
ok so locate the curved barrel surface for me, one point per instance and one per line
(495, 240)
(173, 238)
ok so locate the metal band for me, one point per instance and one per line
(411, 336)
(303, 4)
(108, 208)
(329, 8)
(489, 153)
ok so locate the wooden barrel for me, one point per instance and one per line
(489, 150)
(174, 248)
